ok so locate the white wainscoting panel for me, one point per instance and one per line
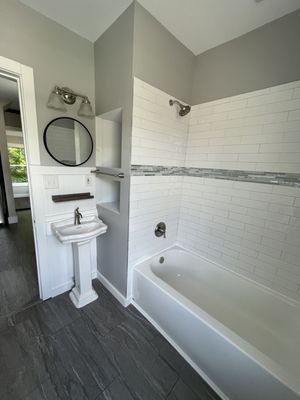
(56, 257)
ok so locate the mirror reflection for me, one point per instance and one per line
(68, 141)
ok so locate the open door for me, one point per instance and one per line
(19, 286)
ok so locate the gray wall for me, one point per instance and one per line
(114, 87)
(57, 56)
(135, 45)
(267, 56)
(159, 58)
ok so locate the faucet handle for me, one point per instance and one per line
(160, 230)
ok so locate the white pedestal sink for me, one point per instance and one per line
(80, 236)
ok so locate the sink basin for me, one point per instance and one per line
(67, 232)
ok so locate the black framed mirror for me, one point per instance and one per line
(68, 141)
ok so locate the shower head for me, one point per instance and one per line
(184, 109)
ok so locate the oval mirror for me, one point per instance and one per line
(68, 141)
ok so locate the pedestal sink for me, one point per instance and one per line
(80, 236)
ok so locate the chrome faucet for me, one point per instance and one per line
(77, 216)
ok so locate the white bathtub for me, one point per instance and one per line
(244, 339)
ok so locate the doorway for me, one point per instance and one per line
(18, 267)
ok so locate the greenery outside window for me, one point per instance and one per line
(17, 162)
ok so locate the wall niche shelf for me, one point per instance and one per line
(109, 159)
(112, 206)
(109, 139)
(108, 192)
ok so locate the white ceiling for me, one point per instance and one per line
(198, 24)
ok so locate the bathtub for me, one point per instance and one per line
(243, 338)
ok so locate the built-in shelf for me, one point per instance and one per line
(109, 139)
(108, 192)
(112, 206)
(59, 198)
(109, 159)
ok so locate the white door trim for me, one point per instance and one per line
(24, 77)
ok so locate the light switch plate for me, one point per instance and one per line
(88, 180)
(51, 181)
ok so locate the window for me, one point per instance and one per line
(17, 162)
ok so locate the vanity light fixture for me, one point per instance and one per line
(61, 95)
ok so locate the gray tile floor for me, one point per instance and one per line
(18, 273)
(103, 351)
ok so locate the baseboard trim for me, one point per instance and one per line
(181, 352)
(111, 288)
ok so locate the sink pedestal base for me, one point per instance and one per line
(83, 292)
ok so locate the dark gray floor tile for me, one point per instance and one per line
(22, 362)
(64, 371)
(182, 392)
(169, 354)
(188, 375)
(145, 373)
(87, 347)
(67, 370)
(137, 322)
(103, 292)
(49, 316)
(129, 314)
(44, 391)
(6, 323)
(104, 314)
(117, 390)
(18, 272)
(52, 351)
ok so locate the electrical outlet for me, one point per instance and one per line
(51, 181)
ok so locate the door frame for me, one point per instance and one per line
(25, 80)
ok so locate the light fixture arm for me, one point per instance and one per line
(61, 95)
(69, 96)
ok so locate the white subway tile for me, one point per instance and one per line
(280, 147)
(296, 94)
(278, 167)
(250, 228)
(263, 138)
(285, 86)
(270, 98)
(294, 115)
(297, 202)
(260, 158)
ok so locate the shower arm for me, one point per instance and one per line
(175, 102)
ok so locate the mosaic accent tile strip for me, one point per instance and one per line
(272, 178)
(152, 170)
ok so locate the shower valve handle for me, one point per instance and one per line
(160, 230)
